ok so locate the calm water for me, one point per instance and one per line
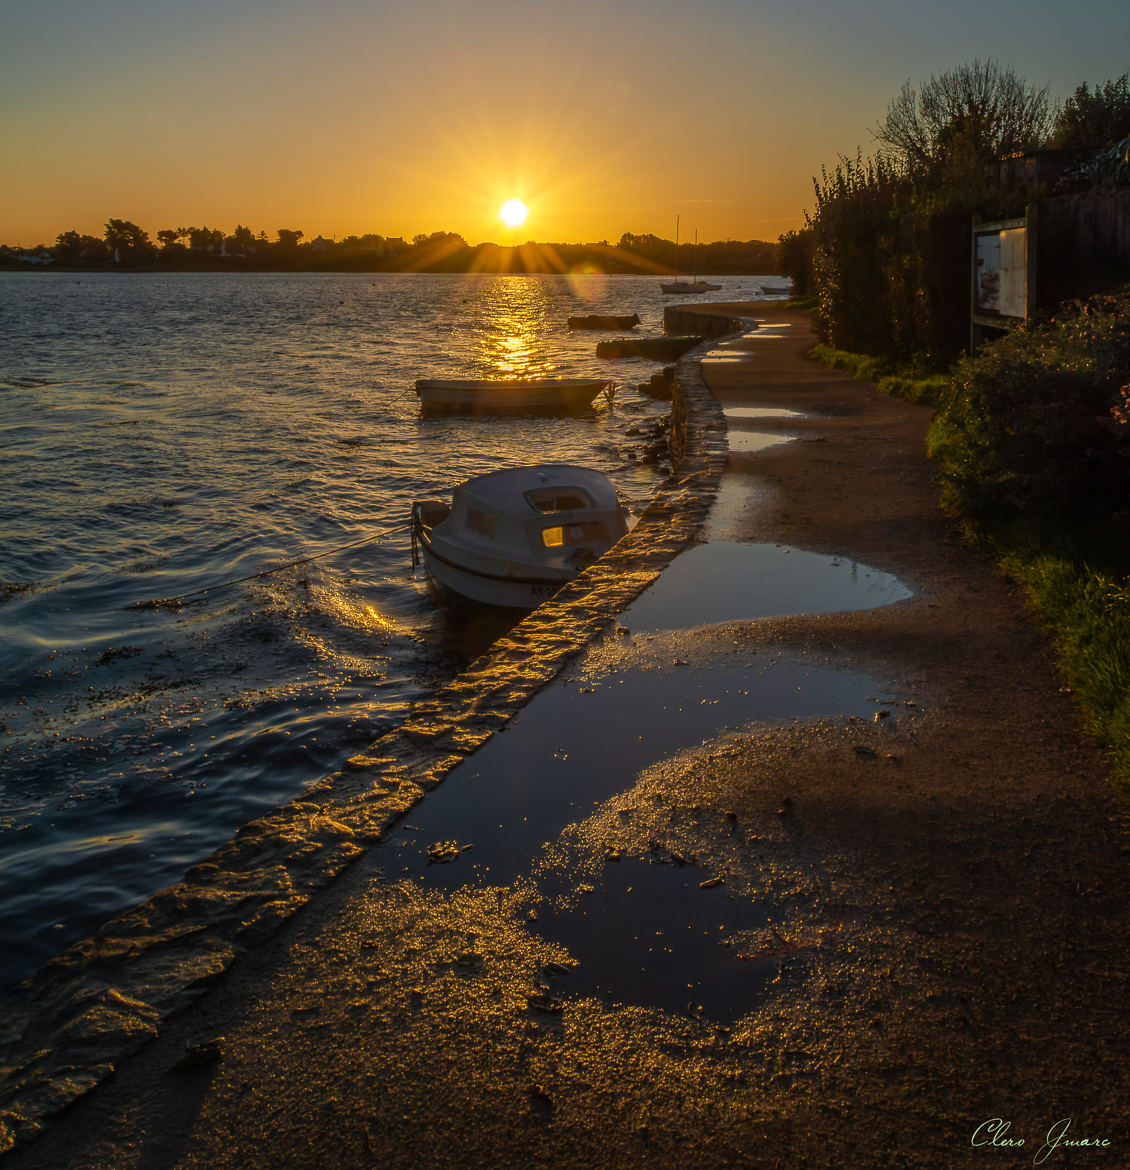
(165, 433)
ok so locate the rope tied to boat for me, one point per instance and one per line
(198, 595)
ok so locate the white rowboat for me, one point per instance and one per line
(512, 538)
(496, 396)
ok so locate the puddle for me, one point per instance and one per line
(580, 742)
(747, 442)
(650, 934)
(762, 412)
(727, 581)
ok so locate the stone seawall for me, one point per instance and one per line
(63, 1029)
(707, 321)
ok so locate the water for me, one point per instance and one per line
(578, 743)
(724, 581)
(165, 433)
(649, 933)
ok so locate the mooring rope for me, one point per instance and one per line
(199, 594)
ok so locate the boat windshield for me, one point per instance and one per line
(559, 499)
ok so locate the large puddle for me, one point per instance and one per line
(640, 932)
(727, 581)
(577, 744)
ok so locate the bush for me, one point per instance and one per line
(1034, 428)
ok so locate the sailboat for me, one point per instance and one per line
(683, 286)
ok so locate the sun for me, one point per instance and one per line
(513, 213)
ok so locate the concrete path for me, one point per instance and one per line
(745, 886)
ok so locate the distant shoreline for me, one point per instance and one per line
(346, 270)
(640, 256)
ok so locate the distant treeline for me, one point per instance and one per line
(125, 245)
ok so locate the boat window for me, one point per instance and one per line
(481, 522)
(562, 534)
(558, 499)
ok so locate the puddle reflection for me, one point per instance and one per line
(650, 934)
(762, 412)
(726, 581)
(577, 744)
(750, 442)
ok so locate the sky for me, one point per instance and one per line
(343, 117)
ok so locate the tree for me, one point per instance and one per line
(205, 239)
(439, 240)
(288, 239)
(72, 248)
(1091, 120)
(973, 114)
(795, 255)
(128, 243)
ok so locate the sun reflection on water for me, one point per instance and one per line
(512, 329)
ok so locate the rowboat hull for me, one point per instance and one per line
(482, 396)
(483, 588)
(601, 321)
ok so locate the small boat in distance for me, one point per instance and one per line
(776, 290)
(602, 321)
(512, 538)
(684, 287)
(503, 396)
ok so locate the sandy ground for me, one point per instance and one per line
(938, 976)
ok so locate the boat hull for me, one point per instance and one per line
(468, 396)
(682, 287)
(598, 321)
(511, 538)
(524, 593)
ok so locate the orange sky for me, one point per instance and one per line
(349, 117)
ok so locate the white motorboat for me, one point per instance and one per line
(512, 538)
(501, 396)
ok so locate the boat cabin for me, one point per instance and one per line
(537, 515)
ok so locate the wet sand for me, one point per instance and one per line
(918, 880)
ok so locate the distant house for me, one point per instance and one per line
(321, 244)
(37, 257)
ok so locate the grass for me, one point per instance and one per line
(1088, 614)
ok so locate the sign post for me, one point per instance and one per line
(1003, 272)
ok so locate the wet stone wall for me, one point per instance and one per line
(63, 1029)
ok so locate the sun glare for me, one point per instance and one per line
(513, 213)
